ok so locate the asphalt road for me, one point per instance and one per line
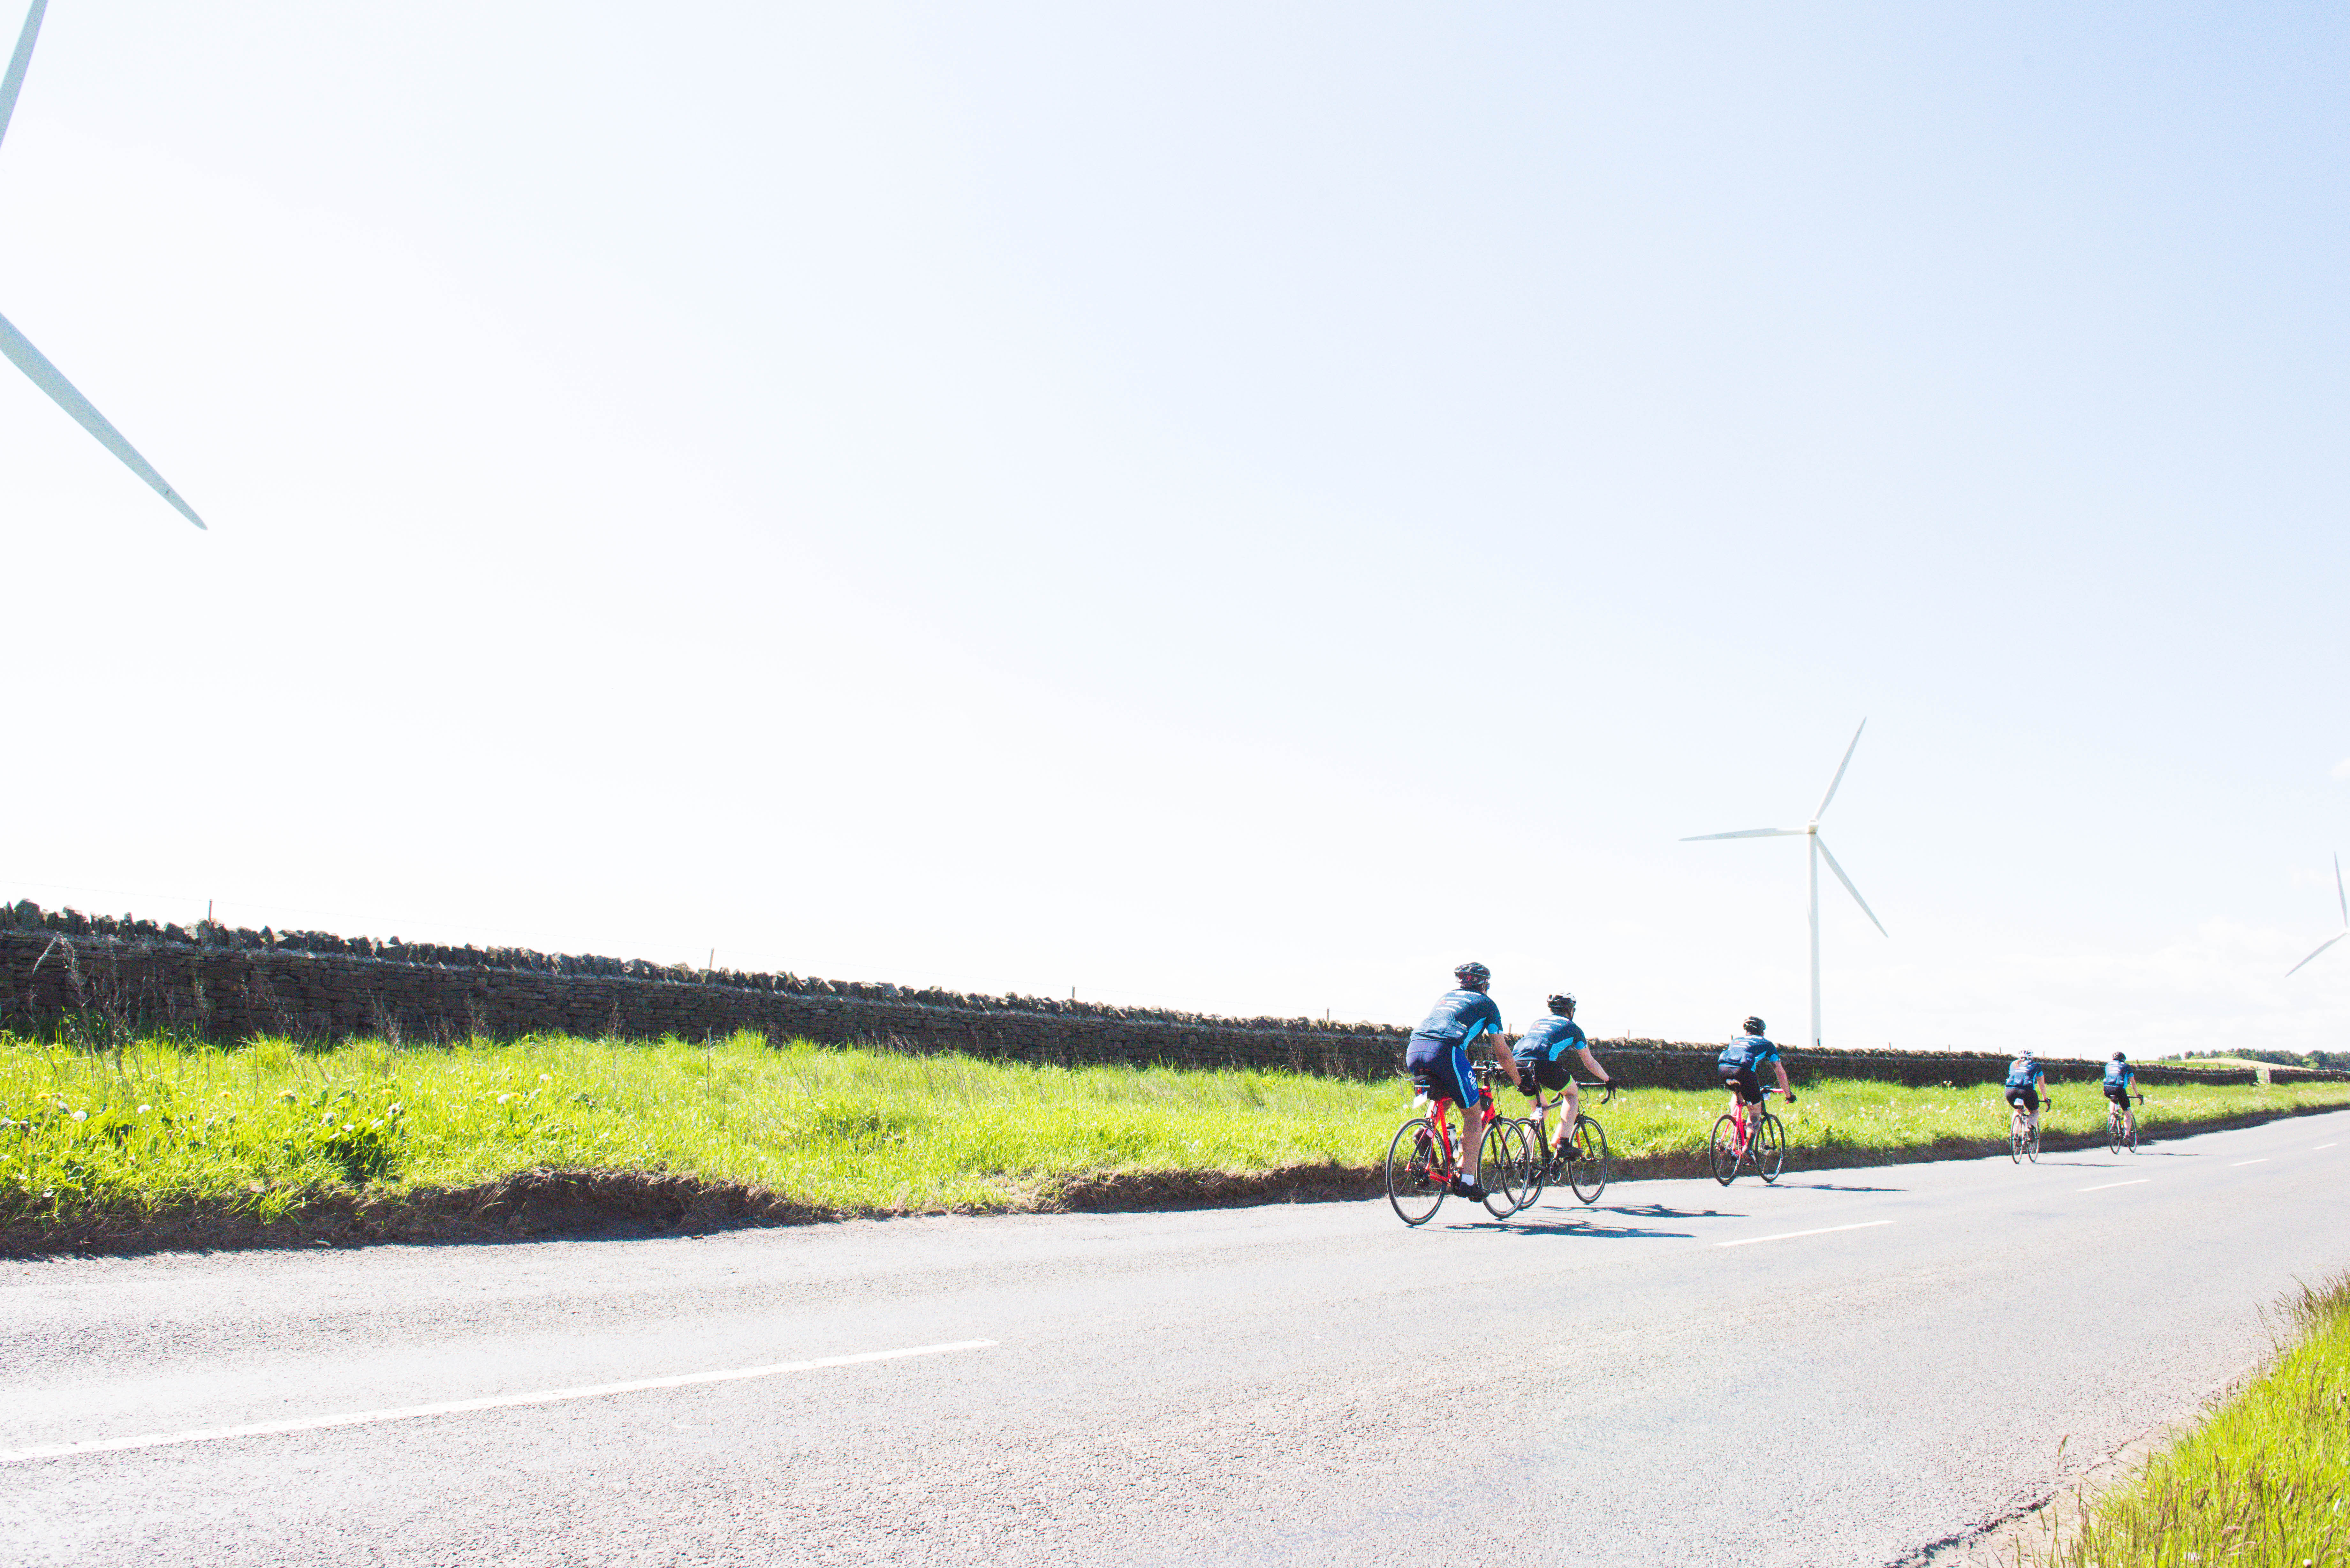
(1841, 1369)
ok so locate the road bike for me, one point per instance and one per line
(1422, 1159)
(1738, 1141)
(1579, 1158)
(2022, 1139)
(2121, 1131)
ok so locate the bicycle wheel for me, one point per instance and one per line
(1505, 1169)
(1414, 1187)
(1725, 1149)
(2113, 1132)
(2015, 1140)
(2032, 1144)
(2129, 1140)
(1538, 1172)
(1770, 1148)
(1587, 1167)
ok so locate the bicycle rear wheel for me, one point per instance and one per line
(1587, 1167)
(1538, 1172)
(2113, 1132)
(1414, 1186)
(2015, 1140)
(1505, 1167)
(1770, 1148)
(1725, 1149)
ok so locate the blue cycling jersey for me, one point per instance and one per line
(1747, 1052)
(1460, 1018)
(2024, 1072)
(2117, 1074)
(1550, 1040)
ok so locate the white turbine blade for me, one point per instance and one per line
(45, 375)
(1749, 833)
(2321, 947)
(2338, 893)
(1839, 778)
(1849, 887)
(14, 82)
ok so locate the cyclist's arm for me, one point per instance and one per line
(1778, 1066)
(1591, 1066)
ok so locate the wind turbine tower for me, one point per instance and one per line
(31, 360)
(1817, 850)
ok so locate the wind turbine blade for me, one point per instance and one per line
(45, 375)
(1749, 833)
(2338, 893)
(2321, 947)
(1850, 889)
(14, 82)
(1839, 778)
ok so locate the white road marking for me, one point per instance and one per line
(2133, 1181)
(460, 1406)
(1789, 1235)
(2320, 1149)
(2263, 1160)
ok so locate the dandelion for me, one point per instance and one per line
(393, 1109)
(504, 1098)
(546, 1078)
(81, 1116)
(144, 1109)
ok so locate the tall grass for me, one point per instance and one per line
(262, 1127)
(2264, 1483)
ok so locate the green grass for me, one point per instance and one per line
(2264, 1483)
(261, 1128)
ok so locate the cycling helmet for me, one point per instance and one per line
(1473, 975)
(2029, 1053)
(2120, 1056)
(1562, 1003)
(1752, 1026)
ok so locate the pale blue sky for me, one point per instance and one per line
(1227, 506)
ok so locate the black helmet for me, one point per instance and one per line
(1754, 1026)
(1472, 975)
(2119, 1057)
(1562, 1003)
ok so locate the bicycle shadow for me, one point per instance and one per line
(1579, 1225)
(1784, 1185)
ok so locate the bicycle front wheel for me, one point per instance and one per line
(1725, 1149)
(1505, 1169)
(1587, 1167)
(1770, 1148)
(2032, 1144)
(2129, 1140)
(1415, 1184)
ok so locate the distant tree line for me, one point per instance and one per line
(2330, 1061)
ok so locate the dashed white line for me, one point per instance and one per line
(1788, 1235)
(2263, 1160)
(459, 1406)
(2320, 1149)
(2133, 1181)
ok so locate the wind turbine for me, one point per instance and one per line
(2343, 898)
(1818, 852)
(31, 360)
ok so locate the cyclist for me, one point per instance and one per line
(1541, 1053)
(2024, 1076)
(1741, 1066)
(1437, 1058)
(2119, 1076)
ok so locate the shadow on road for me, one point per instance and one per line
(1580, 1225)
(1836, 1187)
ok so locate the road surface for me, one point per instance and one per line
(1838, 1370)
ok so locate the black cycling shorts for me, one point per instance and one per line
(1741, 1082)
(1542, 1073)
(2027, 1096)
(2119, 1093)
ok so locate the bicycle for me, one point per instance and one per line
(2121, 1132)
(1735, 1142)
(2024, 1144)
(1579, 1158)
(1422, 1159)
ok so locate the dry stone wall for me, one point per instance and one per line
(61, 971)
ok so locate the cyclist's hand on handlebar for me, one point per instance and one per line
(1791, 1096)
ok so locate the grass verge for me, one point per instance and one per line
(2263, 1483)
(169, 1143)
